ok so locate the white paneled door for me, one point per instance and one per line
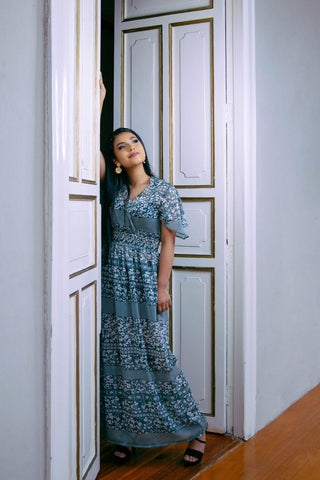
(74, 239)
(170, 88)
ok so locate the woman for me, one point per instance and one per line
(145, 398)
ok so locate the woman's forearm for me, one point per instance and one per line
(165, 267)
(165, 263)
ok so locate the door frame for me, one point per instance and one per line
(241, 218)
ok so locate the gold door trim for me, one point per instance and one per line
(212, 233)
(123, 19)
(77, 146)
(212, 271)
(133, 30)
(95, 375)
(76, 179)
(84, 180)
(94, 265)
(171, 26)
(77, 364)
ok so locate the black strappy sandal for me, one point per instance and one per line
(193, 453)
(122, 449)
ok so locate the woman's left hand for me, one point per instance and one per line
(164, 300)
(102, 92)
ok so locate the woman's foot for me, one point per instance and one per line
(122, 454)
(195, 451)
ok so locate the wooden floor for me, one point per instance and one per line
(287, 449)
(164, 462)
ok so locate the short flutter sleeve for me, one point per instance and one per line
(171, 212)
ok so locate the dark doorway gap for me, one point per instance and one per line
(107, 67)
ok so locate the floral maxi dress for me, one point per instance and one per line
(145, 398)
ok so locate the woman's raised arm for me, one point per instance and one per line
(102, 97)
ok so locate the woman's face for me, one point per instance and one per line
(128, 150)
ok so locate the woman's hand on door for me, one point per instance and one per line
(102, 97)
(102, 92)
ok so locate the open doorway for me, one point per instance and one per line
(146, 53)
(149, 100)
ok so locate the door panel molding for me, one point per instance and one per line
(83, 232)
(133, 10)
(195, 325)
(74, 381)
(89, 377)
(141, 53)
(201, 217)
(191, 91)
(86, 52)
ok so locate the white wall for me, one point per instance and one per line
(22, 404)
(288, 203)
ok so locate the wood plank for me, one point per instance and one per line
(164, 462)
(286, 449)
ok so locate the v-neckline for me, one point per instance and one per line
(146, 187)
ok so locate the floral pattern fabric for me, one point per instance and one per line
(145, 399)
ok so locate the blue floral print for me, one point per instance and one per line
(145, 399)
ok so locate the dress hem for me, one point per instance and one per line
(138, 440)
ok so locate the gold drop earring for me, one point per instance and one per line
(118, 168)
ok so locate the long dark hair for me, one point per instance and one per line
(113, 181)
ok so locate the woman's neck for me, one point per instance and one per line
(137, 176)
